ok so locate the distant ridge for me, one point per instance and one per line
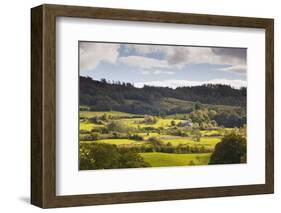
(124, 97)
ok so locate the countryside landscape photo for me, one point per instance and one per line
(152, 105)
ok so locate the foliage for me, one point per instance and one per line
(155, 141)
(136, 137)
(150, 119)
(124, 97)
(232, 149)
(108, 156)
(196, 135)
(230, 119)
(99, 156)
(118, 126)
(131, 159)
(122, 126)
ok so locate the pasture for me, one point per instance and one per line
(157, 159)
(140, 132)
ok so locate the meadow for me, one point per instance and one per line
(167, 140)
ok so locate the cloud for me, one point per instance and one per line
(159, 57)
(142, 62)
(183, 83)
(176, 57)
(157, 72)
(142, 49)
(235, 68)
(91, 54)
(240, 53)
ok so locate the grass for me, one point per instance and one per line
(215, 132)
(157, 159)
(147, 136)
(135, 124)
(161, 123)
(89, 114)
(138, 122)
(209, 142)
(117, 141)
(209, 132)
(87, 126)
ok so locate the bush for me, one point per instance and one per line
(96, 130)
(108, 156)
(95, 136)
(149, 129)
(191, 163)
(196, 135)
(182, 149)
(136, 137)
(131, 159)
(150, 119)
(85, 137)
(99, 156)
(155, 141)
(82, 131)
(231, 149)
(118, 126)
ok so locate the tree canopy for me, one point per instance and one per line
(232, 149)
(226, 105)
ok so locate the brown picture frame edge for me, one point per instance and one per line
(43, 105)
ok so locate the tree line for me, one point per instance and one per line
(107, 95)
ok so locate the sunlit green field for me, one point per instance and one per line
(158, 131)
(208, 142)
(165, 159)
(116, 141)
(86, 126)
(204, 141)
(89, 114)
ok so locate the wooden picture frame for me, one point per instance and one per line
(43, 105)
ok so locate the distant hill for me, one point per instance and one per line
(124, 97)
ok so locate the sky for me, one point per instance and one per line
(163, 65)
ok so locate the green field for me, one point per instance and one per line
(159, 141)
(87, 126)
(117, 141)
(209, 142)
(204, 141)
(164, 159)
(89, 114)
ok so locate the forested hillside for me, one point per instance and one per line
(124, 97)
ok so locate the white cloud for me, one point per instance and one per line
(235, 68)
(142, 62)
(173, 58)
(157, 72)
(176, 57)
(146, 49)
(91, 54)
(185, 83)
(165, 72)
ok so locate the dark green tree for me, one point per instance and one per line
(99, 156)
(231, 149)
(131, 159)
(108, 156)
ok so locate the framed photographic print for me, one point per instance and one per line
(137, 106)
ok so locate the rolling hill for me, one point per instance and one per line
(124, 97)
